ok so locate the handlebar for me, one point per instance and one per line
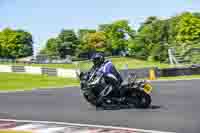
(132, 77)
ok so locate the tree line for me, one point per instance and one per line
(150, 41)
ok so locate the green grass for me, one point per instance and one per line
(18, 81)
(13, 81)
(119, 62)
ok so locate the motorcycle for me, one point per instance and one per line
(136, 93)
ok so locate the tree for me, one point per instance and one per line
(82, 48)
(65, 48)
(24, 39)
(69, 40)
(83, 32)
(95, 41)
(196, 14)
(188, 28)
(15, 43)
(117, 34)
(66, 43)
(151, 39)
(6, 42)
(137, 48)
(148, 21)
(186, 32)
(1, 51)
(51, 49)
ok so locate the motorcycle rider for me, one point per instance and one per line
(112, 76)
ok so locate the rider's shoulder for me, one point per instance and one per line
(107, 61)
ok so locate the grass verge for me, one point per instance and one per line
(15, 81)
(11, 131)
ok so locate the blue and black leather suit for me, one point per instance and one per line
(112, 76)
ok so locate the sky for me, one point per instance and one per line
(46, 18)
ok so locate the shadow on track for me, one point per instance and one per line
(152, 107)
(155, 107)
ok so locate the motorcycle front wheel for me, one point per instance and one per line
(91, 99)
(142, 99)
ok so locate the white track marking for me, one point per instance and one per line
(38, 89)
(50, 130)
(28, 126)
(85, 125)
(5, 125)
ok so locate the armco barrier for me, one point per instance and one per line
(167, 72)
(195, 70)
(33, 70)
(141, 73)
(49, 71)
(4, 68)
(18, 69)
(71, 73)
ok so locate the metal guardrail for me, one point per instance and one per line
(49, 71)
(165, 72)
(141, 73)
(18, 69)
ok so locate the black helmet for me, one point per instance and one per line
(98, 59)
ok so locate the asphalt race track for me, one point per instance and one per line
(176, 108)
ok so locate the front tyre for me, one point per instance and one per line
(90, 99)
(143, 100)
